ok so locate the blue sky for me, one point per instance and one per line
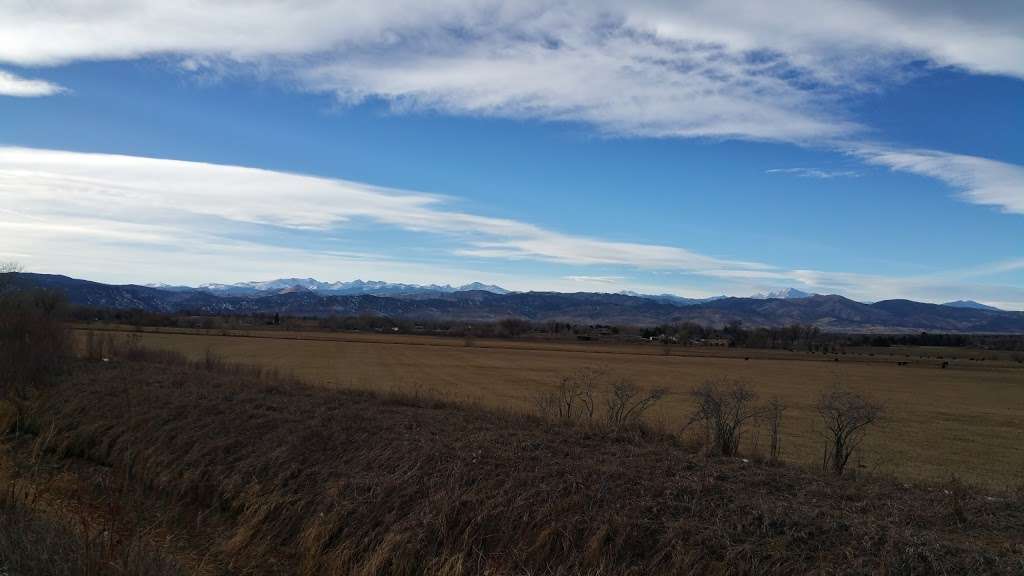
(549, 145)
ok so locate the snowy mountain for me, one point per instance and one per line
(784, 293)
(829, 313)
(368, 287)
(671, 298)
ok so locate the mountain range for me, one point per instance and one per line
(311, 298)
(371, 287)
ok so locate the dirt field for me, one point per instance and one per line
(965, 420)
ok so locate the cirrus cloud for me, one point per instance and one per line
(980, 180)
(737, 68)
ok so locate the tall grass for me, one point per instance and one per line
(318, 481)
(32, 543)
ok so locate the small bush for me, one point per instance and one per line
(724, 408)
(573, 399)
(627, 403)
(846, 416)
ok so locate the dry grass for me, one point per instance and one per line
(35, 541)
(965, 419)
(318, 481)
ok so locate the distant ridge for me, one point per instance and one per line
(671, 298)
(971, 304)
(829, 313)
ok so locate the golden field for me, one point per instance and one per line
(966, 420)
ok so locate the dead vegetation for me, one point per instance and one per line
(724, 408)
(846, 417)
(315, 481)
(576, 400)
(33, 544)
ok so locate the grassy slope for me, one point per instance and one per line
(321, 481)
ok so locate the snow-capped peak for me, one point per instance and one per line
(358, 286)
(784, 293)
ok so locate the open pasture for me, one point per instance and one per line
(965, 420)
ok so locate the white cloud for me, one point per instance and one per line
(104, 216)
(154, 200)
(11, 85)
(981, 180)
(820, 173)
(739, 68)
(595, 279)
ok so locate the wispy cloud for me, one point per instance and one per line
(820, 173)
(737, 68)
(168, 219)
(595, 279)
(778, 71)
(60, 190)
(12, 85)
(980, 180)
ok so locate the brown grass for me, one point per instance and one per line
(35, 541)
(311, 480)
(966, 419)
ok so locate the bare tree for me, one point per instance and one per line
(846, 416)
(513, 327)
(724, 408)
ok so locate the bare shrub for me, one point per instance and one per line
(773, 418)
(627, 403)
(846, 416)
(724, 408)
(573, 399)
